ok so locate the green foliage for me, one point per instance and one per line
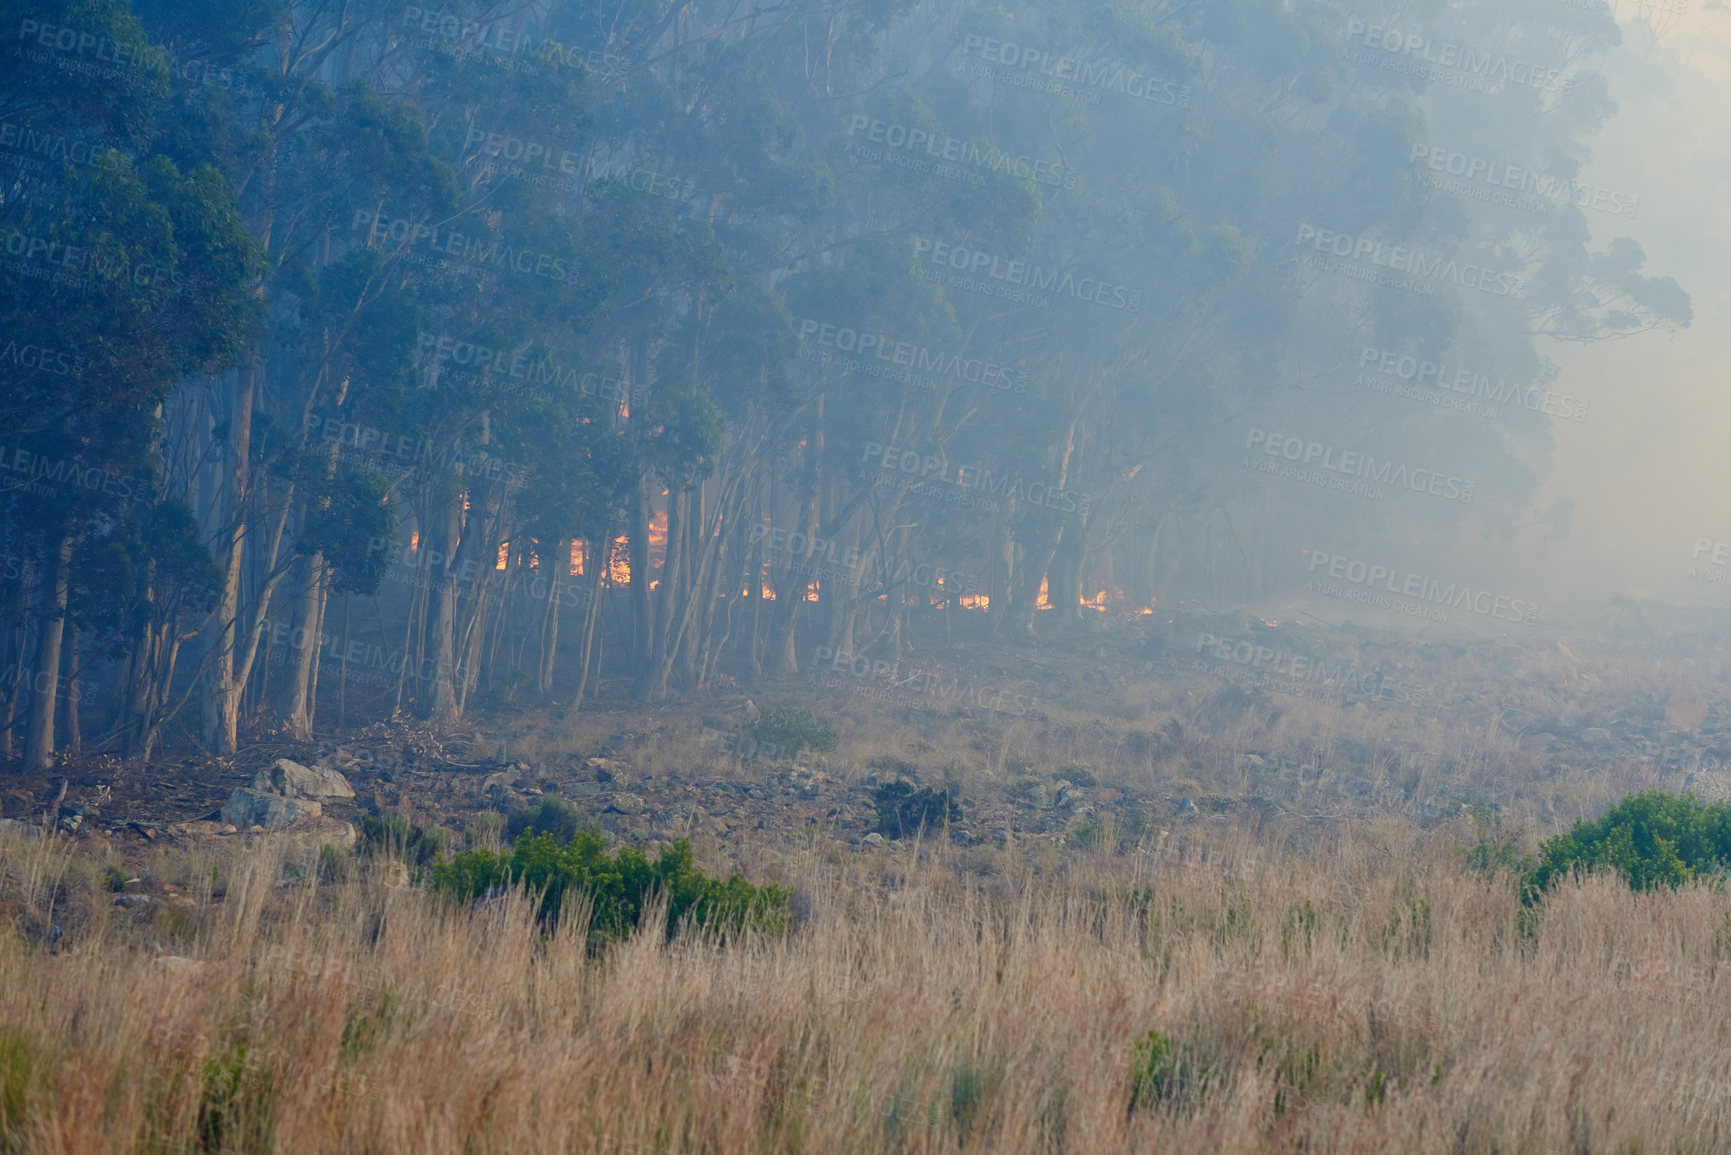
(236, 1104)
(1652, 839)
(553, 816)
(114, 880)
(1077, 775)
(396, 836)
(21, 1076)
(1165, 1071)
(1498, 850)
(903, 811)
(1085, 836)
(619, 887)
(791, 728)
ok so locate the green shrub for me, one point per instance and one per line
(620, 887)
(1652, 839)
(552, 815)
(1077, 775)
(902, 810)
(1156, 1070)
(114, 880)
(791, 729)
(395, 835)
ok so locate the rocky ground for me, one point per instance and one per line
(1117, 736)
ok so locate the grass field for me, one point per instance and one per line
(1368, 990)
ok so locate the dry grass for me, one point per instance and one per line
(1371, 994)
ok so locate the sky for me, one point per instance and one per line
(1649, 473)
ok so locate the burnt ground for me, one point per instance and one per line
(1109, 734)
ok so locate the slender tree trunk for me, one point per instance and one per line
(69, 661)
(440, 699)
(294, 705)
(221, 692)
(39, 737)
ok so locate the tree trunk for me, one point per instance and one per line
(39, 737)
(221, 692)
(294, 706)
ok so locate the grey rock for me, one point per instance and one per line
(874, 839)
(247, 808)
(623, 803)
(1708, 786)
(292, 780)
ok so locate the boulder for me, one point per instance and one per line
(623, 803)
(248, 808)
(292, 780)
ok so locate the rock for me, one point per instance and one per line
(71, 822)
(131, 901)
(205, 828)
(874, 839)
(13, 826)
(304, 841)
(1708, 786)
(1186, 808)
(292, 780)
(1596, 734)
(623, 803)
(1072, 797)
(247, 808)
(718, 826)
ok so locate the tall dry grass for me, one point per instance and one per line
(1369, 994)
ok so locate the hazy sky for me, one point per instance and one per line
(1651, 470)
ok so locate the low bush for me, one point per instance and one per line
(1652, 839)
(791, 729)
(553, 816)
(397, 836)
(902, 810)
(619, 887)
